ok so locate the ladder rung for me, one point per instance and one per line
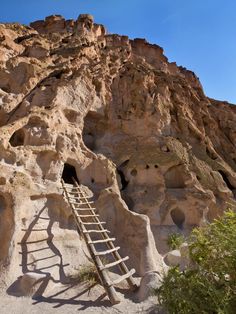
(85, 216)
(77, 203)
(88, 208)
(71, 188)
(121, 278)
(102, 241)
(108, 251)
(115, 263)
(94, 223)
(74, 192)
(86, 203)
(85, 209)
(78, 198)
(97, 231)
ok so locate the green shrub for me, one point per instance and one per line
(175, 240)
(210, 285)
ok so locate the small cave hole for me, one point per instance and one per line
(156, 166)
(57, 74)
(174, 178)
(211, 154)
(89, 140)
(124, 182)
(17, 138)
(3, 181)
(226, 180)
(69, 173)
(92, 180)
(71, 115)
(147, 167)
(6, 89)
(178, 217)
(134, 172)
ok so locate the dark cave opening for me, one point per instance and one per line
(178, 217)
(69, 173)
(124, 182)
(17, 138)
(226, 180)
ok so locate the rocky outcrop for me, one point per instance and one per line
(157, 155)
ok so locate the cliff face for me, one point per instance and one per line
(157, 154)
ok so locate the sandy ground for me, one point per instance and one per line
(76, 299)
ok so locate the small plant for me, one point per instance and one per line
(88, 274)
(209, 286)
(175, 240)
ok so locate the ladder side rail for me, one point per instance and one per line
(103, 276)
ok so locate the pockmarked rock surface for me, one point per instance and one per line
(139, 133)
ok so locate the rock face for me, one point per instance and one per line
(158, 156)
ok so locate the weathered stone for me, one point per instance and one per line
(144, 141)
(151, 281)
(173, 258)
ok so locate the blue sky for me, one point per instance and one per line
(197, 34)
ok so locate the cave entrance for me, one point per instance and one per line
(226, 180)
(178, 217)
(174, 178)
(120, 171)
(17, 138)
(69, 173)
(124, 182)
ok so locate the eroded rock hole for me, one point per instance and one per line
(178, 217)
(89, 141)
(120, 171)
(69, 173)
(134, 172)
(226, 180)
(17, 138)
(174, 178)
(124, 182)
(211, 154)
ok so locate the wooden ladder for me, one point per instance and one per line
(85, 217)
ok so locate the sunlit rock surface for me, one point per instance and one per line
(156, 153)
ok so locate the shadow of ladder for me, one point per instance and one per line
(76, 198)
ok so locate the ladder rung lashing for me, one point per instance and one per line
(102, 241)
(121, 278)
(97, 231)
(114, 263)
(108, 251)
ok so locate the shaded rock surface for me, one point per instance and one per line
(155, 152)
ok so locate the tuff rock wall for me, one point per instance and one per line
(157, 154)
